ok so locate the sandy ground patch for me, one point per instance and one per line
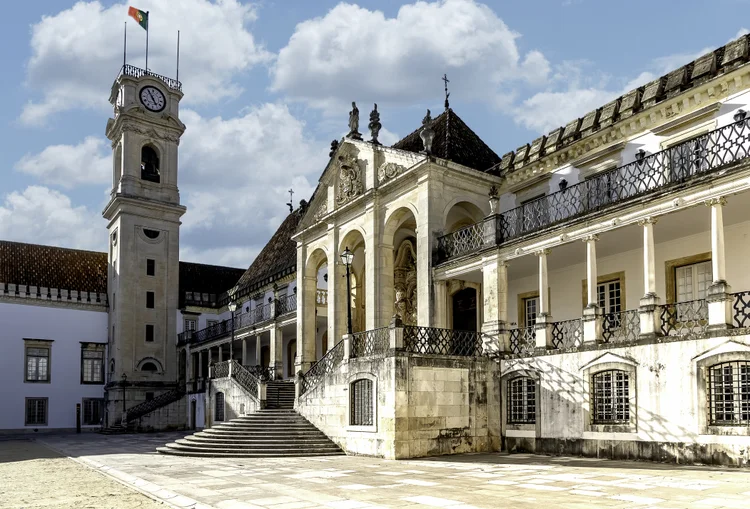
(34, 477)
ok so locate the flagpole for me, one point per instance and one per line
(178, 56)
(125, 45)
(147, 42)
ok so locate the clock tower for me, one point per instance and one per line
(144, 239)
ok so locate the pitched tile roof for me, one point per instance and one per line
(206, 279)
(455, 141)
(277, 259)
(52, 267)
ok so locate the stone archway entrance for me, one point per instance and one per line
(465, 310)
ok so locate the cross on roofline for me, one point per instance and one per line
(291, 200)
(447, 94)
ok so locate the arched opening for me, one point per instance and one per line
(314, 297)
(150, 164)
(291, 356)
(399, 285)
(355, 242)
(182, 370)
(465, 310)
(265, 356)
(462, 214)
(219, 407)
(149, 366)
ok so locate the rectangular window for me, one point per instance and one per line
(692, 281)
(36, 412)
(93, 410)
(521, 400)
(530, 307)
(611, 397)
(37, 364)
(191, 324)
(150, 300)
(362, 403)
(150, 267)
(92, 365)
(209, 323)
(729, 394)
(149, 333)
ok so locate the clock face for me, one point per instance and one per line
(153, 99)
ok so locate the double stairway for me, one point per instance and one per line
(273, 432)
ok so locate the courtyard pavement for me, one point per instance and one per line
(452, 482)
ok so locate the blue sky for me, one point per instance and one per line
(268, 85)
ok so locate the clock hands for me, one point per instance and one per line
(152, 96)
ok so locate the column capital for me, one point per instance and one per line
(542, 252)
(590, 238)
(648, 220)
(715, 201)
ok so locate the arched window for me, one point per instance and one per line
(610, 395)
(361, 404)
(150, 164)
(219, 407)
(149, 366)
(521, 400)
(729, 394)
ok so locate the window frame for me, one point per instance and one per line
(26, 412)
(670, 269)
(528, 392)
(729, 352)
(618, 403)
(150, 327)
(610, 362)
(361, 405)
(41, 344)
(92, 347)
(150, 299)
(364, 428)
(86, 401)
(150, 267)
(739, 398)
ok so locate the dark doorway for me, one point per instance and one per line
(193, 412)
(291, 355)
(465, 310)
(265, 356)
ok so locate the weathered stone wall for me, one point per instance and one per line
(237, 401)
(166, 418)
(669, 410)
(426, 405)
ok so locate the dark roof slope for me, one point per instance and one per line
(206, 279)
(277, 259)
(53, 267)
(455, 141)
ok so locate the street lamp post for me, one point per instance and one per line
(232, 307)
(347, 257)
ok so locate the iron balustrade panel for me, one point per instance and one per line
(321, 369)
(245, 378)
(621, 327)
(149, 406)
(371, 342)
(728, 389)
(684, 318)
(741, 309)
(690, 160)
(522, 341)
(137, 72)
(431, 340)
(287, 304)
(567, 334)
(264, 374)
(221, 370)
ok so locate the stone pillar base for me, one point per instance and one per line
(720, 313)
(543, 328)
(650, 317)
(593, 324)
(262, 394)
(494, 337)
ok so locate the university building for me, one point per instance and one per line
(585, 293)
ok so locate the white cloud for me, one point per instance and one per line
(354, 53)
(75, 54)
(88, 163)
(40, 215)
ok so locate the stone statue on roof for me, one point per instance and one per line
(354, 123)
(427, 133)
(375, 125)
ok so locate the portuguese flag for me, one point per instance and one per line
(140, 16)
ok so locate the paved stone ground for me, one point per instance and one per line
(455, 482)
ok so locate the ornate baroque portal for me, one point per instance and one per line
(405, 282)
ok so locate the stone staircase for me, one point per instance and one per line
(280, 395)
(266, 433)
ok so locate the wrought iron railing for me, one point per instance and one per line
(245, 378)
(371, 342)
(522, 341)
(137, 72)
(322, 368)
(286, 304)
(741, 309)
(264, 374)
(149, 406)
(684, 162)
(621, 327)
(684, 318)
(431, 340)
(220, 370)
(567, 334)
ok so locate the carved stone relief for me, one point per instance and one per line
(350, 179)
(322, 210)
(405, 283)
(389, 171)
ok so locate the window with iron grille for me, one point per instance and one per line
(36, 411)
(361, 402)
(219, 407)
(92, 365)
(611, 397)
(37, 364)
(93, 410)
(729, 394)
(521, 400)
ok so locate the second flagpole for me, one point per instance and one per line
(147, 41)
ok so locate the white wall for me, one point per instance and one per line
(66, 327)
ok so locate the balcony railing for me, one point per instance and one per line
(567, 334)
(621, 327)
(522, 341)
(137, 72)
(431, 340)
(321, 297)
(286, 304)
(682, 163)
(371, 342)
(741, 310)
(684, 318)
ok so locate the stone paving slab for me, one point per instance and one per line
(472, 481)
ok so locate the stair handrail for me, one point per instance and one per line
(245, 379)
(322, 368)
(146, 407)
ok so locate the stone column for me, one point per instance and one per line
(306, 308)
(544, 320)
(257, 350)
(244, 352)
(200, 364)
(719, 297)
(441, 304)
(336, 289)
(495, 304)
(429, 220)
(372, 268)
(592, 314)
(648, 311)
(276, 342)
